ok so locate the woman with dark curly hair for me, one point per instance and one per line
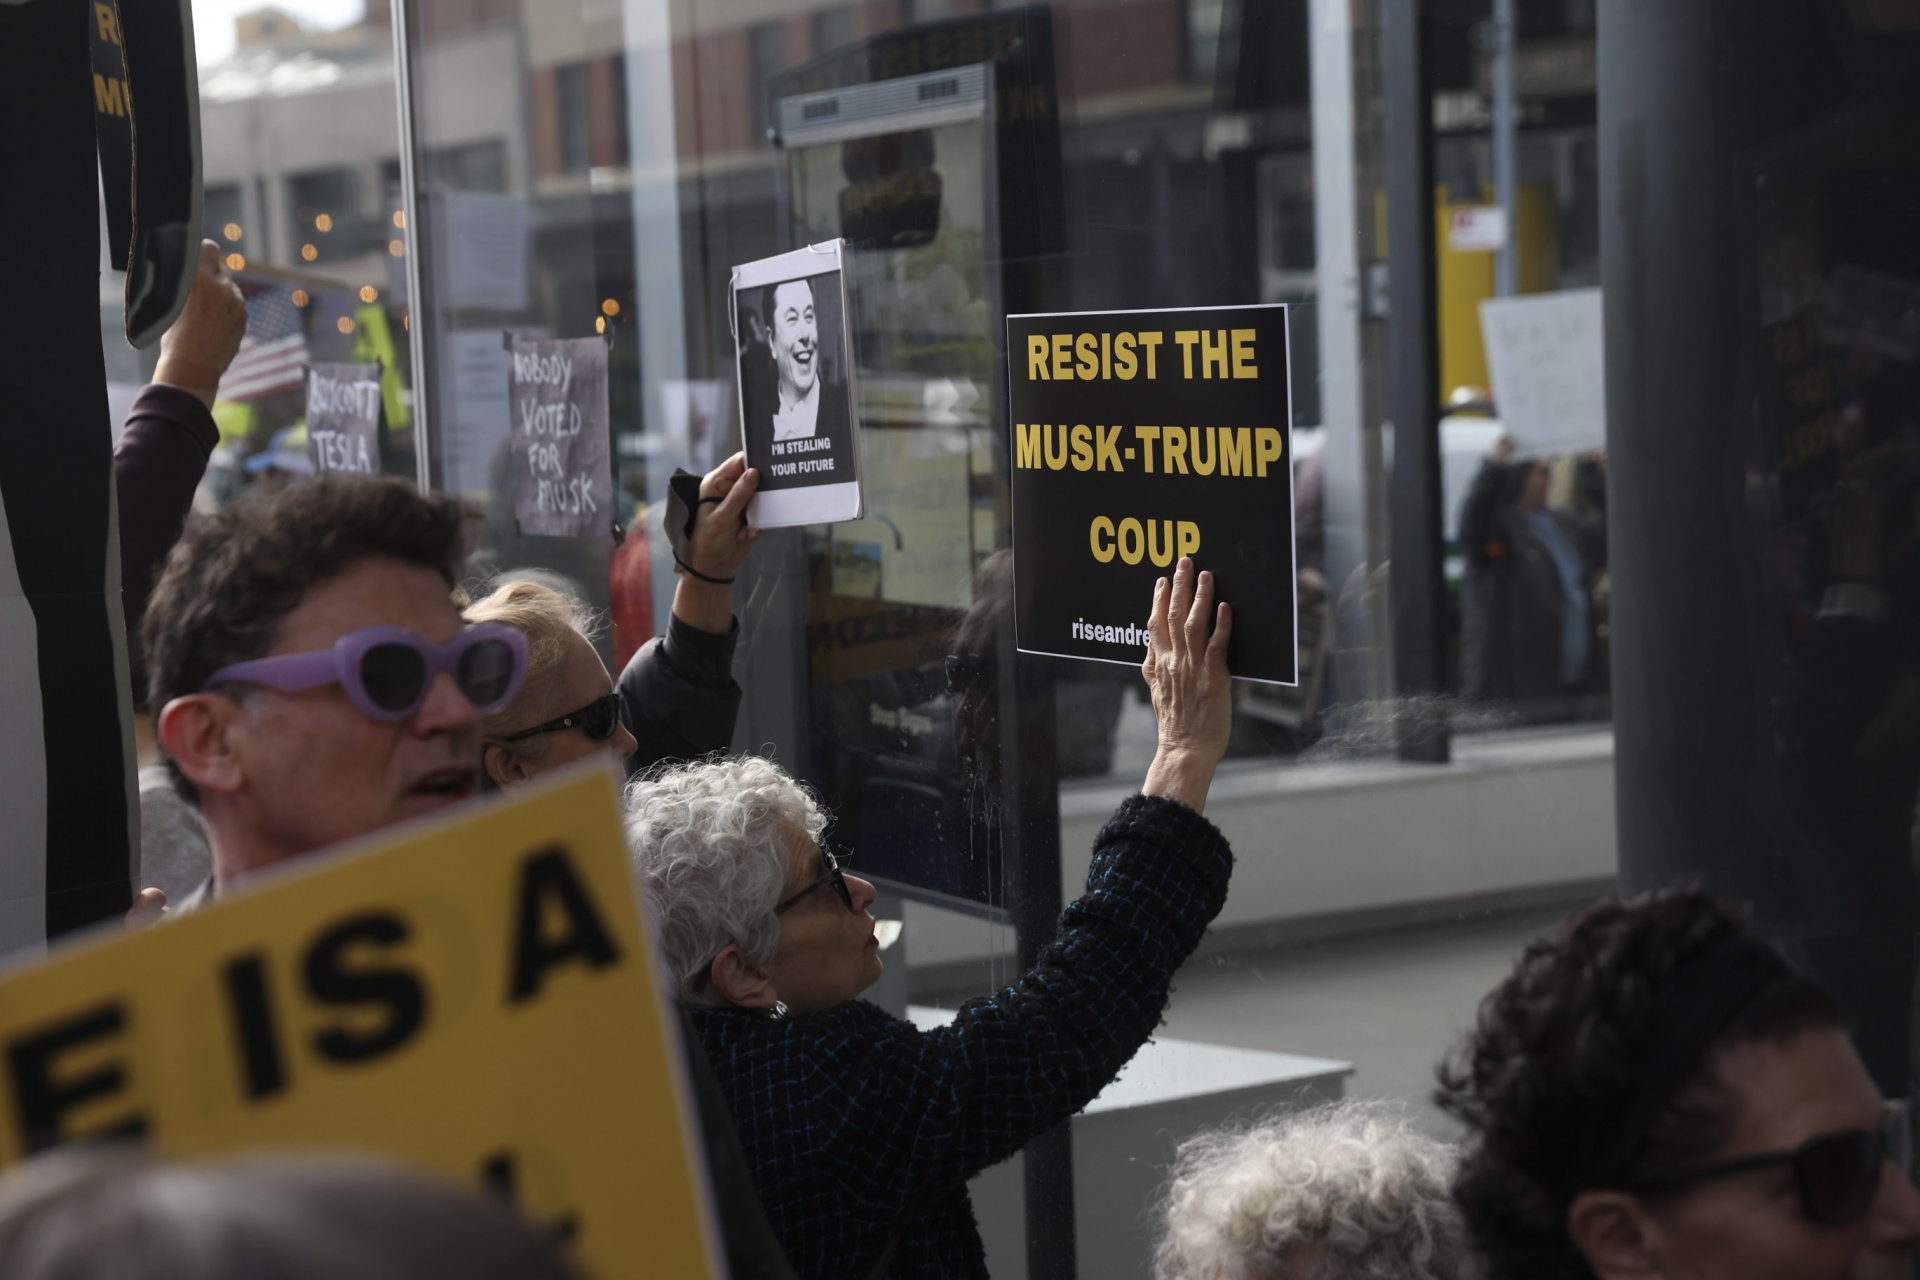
(1654, 1094)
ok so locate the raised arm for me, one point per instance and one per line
(677, 694)
(168, 436)
(1186, 669)
(917, 1113)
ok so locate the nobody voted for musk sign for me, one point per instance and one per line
(1140, 437)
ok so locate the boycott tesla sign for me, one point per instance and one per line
(1140, 437)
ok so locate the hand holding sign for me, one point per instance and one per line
(196, 350)
(721, 540)
(716, 549)
(1192, 694)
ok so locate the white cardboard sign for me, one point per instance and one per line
(1546, 353)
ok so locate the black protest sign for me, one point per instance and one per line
(343, 418)
(113, 128)
(561, 465)
(1139, 437)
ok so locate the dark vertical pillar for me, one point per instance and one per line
(1685, 724)
(56, 475)
(1413, 345)
(1029, 825)
(1759, 642)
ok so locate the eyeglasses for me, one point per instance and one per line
(835, 876)
(387, 672)
(1838, 1174)
(598, 719)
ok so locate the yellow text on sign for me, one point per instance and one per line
(1134, 540)
(1154, 450)
(476, 996)
(1205, 355)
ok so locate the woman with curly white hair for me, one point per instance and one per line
(1346, 1191)
(861, 1130)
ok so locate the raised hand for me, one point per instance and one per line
(1186, 671)
(197, 348)
(718, 547)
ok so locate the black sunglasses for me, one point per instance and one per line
(1838, 1174)
(598, 719)
(835, 876)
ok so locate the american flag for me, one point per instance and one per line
(273, 353)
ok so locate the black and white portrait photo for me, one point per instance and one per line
(797, 419)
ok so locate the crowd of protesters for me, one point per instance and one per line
(1652, 1092)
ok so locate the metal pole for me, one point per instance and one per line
(1504, 160)
(1336, 217)
(1413, 345)
(1029, 829)
(417, 312)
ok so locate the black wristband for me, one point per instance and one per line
(718, 582)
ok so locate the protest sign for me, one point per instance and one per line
(798, 423)
(1140, 437)
(1545, 353)
(562, 463)
(475, 995)
(343, 418)
(113, 129)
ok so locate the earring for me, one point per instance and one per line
(779, 1011)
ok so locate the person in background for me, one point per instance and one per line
(1345, 1191)
(567, 708)
(862, 1130)
(676, 698)
(1653, 1094)
(1528, 633)
(88, 1213)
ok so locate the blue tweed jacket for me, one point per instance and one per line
(858, 1125)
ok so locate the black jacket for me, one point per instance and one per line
(678, 697)
(862, 1130)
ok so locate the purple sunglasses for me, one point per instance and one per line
(387, 671)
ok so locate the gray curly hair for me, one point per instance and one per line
(1347, 1191)
(709, 846)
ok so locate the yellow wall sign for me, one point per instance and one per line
(475, 995)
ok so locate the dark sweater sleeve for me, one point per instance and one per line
(157, 465)
(891, 1115)
(678, 696)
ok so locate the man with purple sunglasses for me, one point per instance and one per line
(311, 677)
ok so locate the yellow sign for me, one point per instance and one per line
(476, 995)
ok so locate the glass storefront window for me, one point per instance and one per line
(587, 169)
(982, 159)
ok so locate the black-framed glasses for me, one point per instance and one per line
(598, 719)
(835, 876)
(1837, 1174)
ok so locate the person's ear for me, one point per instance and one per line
(197, 732)
(739, 983)
(1616, 1235)
(504, 767)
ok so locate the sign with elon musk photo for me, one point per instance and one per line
(1140, 437)
(797, 396)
